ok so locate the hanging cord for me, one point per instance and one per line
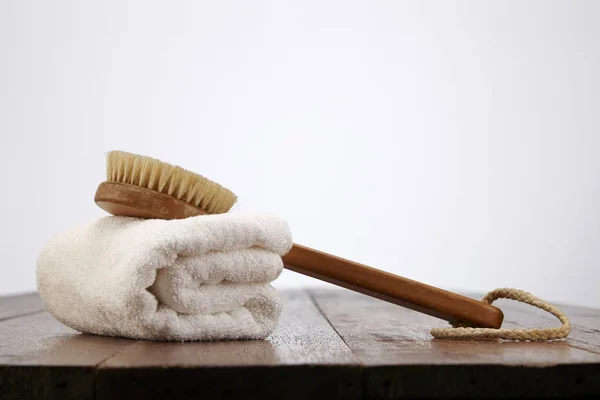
(460, 331)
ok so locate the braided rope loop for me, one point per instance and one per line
(459, 331)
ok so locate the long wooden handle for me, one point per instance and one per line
(414, 295)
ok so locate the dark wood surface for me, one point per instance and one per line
(404, 362)
(330, 344)
(14, 306)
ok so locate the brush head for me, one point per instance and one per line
(145, 187)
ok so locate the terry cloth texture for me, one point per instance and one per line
(200, 278)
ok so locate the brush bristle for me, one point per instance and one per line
(173, 180)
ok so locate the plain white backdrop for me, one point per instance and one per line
(452, 142)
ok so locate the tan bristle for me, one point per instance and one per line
(175, 181)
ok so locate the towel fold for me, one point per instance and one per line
(200, 278)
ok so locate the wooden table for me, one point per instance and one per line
(330, 344)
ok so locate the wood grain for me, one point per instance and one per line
(365, 348)
(41, 358)
(395, 289)
(405, 362)
(17, 305)
(585, 331)
(130, 200)
(303, 358)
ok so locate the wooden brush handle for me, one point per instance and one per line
(395, 289)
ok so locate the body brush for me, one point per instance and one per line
(143, 187)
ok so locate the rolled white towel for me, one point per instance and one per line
(200, 278)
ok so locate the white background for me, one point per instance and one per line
(455, 143)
